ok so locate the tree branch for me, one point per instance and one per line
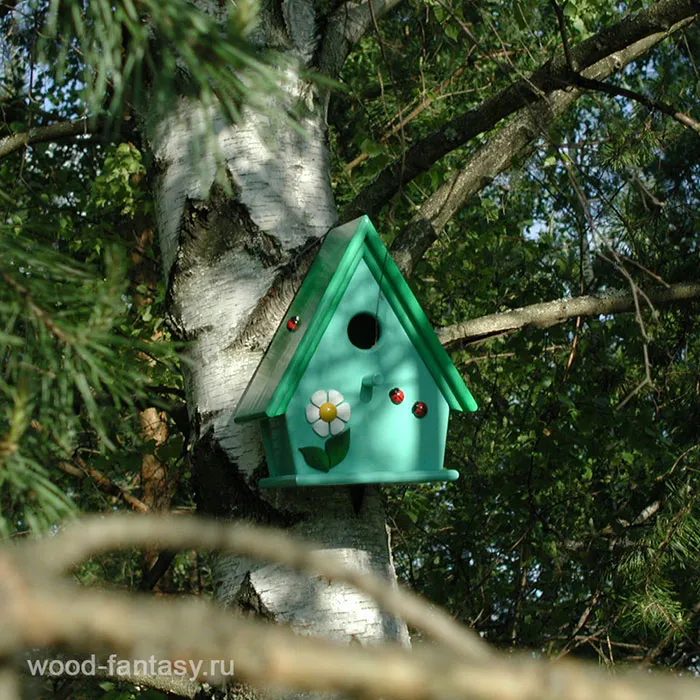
(34, 601)
(52, 132)
(551, 76)
(516, 140)
(561, 21)
(649, 103)
(591, 84)
(345, 27)
(103, 483)
(7, 7)
(553, 312)
(97, 535)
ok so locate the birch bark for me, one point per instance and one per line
(232, 258)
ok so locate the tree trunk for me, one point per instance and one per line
(236, 240)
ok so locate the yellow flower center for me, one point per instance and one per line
(329, 412)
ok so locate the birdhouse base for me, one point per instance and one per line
(273, 482)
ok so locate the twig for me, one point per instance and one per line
(583, 619)
(633, 393)
(638, 265)
(559, 10)
(80, 469)
(681, 457)
(649, 103)
(574, 348)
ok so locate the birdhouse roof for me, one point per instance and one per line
(276, 378)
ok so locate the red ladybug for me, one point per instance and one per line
(293, 323)
(396, 395)
(420, 409)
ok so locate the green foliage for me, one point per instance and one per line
(77, 328)
(574, 525)
(66, 374)
(129, 49)
(118, 183)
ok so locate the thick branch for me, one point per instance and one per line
(422, 155)
(52, 132)
(345, 27)
(99, 535)
(34, 603)
(591, 84)
(515, 140)
(552, 312)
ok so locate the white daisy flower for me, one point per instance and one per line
(328, 412)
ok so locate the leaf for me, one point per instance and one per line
(452, 31)
(337, 448)
(316, 458)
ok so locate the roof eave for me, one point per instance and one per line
(416, 323)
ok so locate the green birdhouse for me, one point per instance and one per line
(355, 387)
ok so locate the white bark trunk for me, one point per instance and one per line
(223, 254)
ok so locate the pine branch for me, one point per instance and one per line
(549, 77)
(551, 313)
(39, 313)
(516, 140)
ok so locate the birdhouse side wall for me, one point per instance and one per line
(278, 450)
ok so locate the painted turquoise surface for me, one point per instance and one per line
(388, 443)
(278, 449)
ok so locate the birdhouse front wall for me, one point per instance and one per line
(367, 408)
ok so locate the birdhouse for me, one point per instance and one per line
(355, 387)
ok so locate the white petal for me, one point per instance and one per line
(344, 411)
(312, 413)
(321, 428)
(319, 398)
(335, 397)
(337, 426)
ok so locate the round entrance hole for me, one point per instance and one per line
(364, 330)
